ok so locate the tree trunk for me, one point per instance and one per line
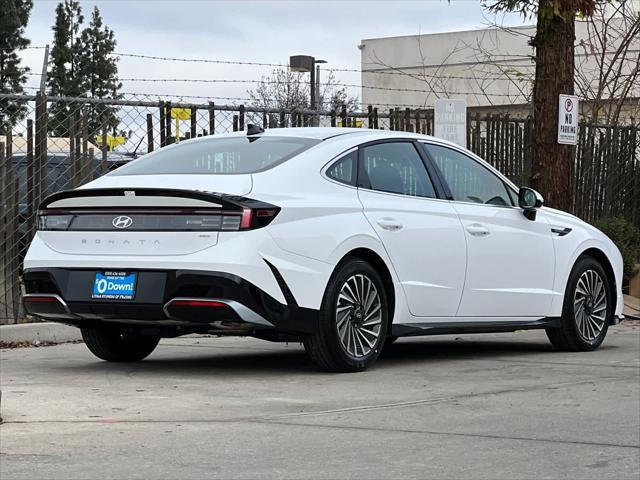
(554, 43)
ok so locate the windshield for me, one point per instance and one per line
(224, 156)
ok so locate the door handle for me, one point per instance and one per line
(389, 224)
(478, 230)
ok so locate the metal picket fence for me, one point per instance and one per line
(65, 142)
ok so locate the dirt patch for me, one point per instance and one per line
(10, 345)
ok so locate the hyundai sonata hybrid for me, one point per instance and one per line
(343, 239)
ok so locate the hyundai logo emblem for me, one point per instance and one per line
(122, 222)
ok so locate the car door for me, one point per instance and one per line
(510, 259)
(422, 234)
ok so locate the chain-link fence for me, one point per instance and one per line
(62, 143)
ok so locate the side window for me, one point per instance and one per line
(396, 167)
(468, 180)
(344, 170)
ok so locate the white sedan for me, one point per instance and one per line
(345, 239)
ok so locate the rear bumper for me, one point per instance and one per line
(216, 300)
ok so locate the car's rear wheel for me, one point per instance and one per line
(118, 345)
(587, 309)
(353, 320)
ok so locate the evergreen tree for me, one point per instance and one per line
(64, 78)
(14, 15)
(99, 71)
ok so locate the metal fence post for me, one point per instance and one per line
(212, 118)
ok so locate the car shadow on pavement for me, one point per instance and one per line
(447, 350)
(210, 359)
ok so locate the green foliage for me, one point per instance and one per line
(82, 65)
(64, 77)
(99, 69)
(626, 236)
(547, 9)
(14, 15)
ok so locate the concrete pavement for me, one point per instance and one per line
(484, 406)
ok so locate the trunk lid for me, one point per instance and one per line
(139, 221)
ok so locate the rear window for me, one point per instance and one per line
(232, 155)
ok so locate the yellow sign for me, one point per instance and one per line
(112, 142)
(180, 114)
(356, 124)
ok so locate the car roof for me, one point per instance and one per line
(324, 133)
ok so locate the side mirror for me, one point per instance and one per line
(529, 201)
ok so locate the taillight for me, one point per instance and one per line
(161, 220)
(257, 218)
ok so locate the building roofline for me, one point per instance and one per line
(486, 29)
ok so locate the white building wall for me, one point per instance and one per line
(491, 69)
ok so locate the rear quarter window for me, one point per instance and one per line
(221, 156)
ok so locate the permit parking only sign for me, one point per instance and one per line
(568, 120)
(450, 120)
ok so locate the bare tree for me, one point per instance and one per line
(608, 70)
(287, 90)
(432, 76)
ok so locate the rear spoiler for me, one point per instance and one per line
(219, 200)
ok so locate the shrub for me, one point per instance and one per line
(626, 236)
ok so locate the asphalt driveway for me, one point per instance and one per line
(485, 406)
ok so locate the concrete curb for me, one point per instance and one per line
(39, 332)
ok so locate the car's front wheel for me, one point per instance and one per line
(118, 345)
(587, 310)
(353, 320)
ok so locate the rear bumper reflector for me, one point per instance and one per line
(46, 305)
(206, 310)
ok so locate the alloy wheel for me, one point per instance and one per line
(590, 305)
(358, 315)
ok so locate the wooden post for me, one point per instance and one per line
(235, 123)
(369, 116)
(163, 133)
(167, 123)
(283, 119)
(343, 115)
(375, 118)
(333, 118)
(417, 120)
(72, 150)
(40, 174)
(264, 121)
(194, 120)
(241, 117)
(104, 147)
(8, 222)
(91, 157)
(149, 133)
(86, 165)
(32, 207)
(212, 118)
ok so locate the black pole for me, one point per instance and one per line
(312, 93)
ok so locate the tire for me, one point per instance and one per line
(118, 345)
(585, 319)
(341, 345)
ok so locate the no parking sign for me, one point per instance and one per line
(568, 120)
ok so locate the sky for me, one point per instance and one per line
(251, 31)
